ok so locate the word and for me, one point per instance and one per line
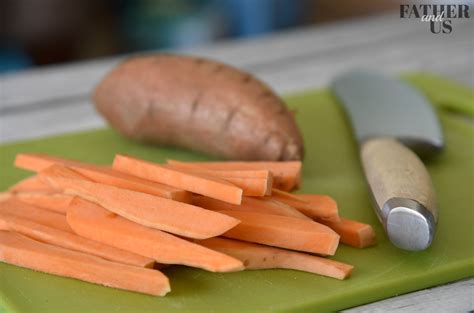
(438, 15)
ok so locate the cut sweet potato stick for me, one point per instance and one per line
(280, 194)
(115, 178)
(36, 162)
(286, 175)
(353, 233)
(284, 232)
(319, 206)
(229, 173)
(285, 203)
(94, 222)
(22, 251)
(253, 182)
(284, 207)
(255, 256)
(51, 201)
(203, 185)
(59, 170)
(5, 196)
(156, 212)
(15, 207)
(71, 241)
(102, 174)
(256, 187)
(32, 184)
(249, 205)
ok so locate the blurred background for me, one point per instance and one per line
(43, 32)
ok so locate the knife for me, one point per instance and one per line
(391, 120)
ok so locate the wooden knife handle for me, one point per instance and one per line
(394, 171)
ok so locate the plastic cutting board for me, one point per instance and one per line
(331, 166)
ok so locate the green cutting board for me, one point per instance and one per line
(331, 166)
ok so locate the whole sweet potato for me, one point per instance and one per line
(198, 104)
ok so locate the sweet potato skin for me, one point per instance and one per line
(198, 104)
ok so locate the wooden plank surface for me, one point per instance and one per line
(299, 59)
(384, 42)
(456, 297)
(55, 99)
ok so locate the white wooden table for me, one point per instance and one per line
(55, 99)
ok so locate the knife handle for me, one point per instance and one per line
(403, 192)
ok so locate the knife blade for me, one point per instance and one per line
(391, 120)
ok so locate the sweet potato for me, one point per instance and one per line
(256, 256)
(94, 222)
(59, 170)
(5, 196)
(38, 162)
(280, 194)
(70, 241)
(165, 214)
(249, 204)
(353, 233)
(286, 175)
(15, 207)
(204, 185)
(32, 184)
(257, 183)
(283, 232)
(22, 251)
(198, 104)
(57, 202)
(320, 207)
